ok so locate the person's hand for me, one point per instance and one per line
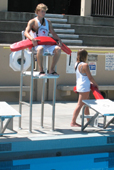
(95, 84)
(59, 43)
(35, 42)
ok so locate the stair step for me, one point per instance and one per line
(64, 31)
(93, 30)
(25, 16)
(61, 25)
(89, 20)
(19, 26)
(57, 20)
(66, 41)
(47, 15)
(94, 40)
(54, 15)
(16, 16)
(11, 26)
(11, 37)
(71, 36)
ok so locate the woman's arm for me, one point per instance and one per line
(87, 71)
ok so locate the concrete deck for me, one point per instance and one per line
(43, 142)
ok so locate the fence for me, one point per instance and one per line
(103, 8)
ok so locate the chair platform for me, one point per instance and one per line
(37, 76)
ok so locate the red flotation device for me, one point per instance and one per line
(94, 90)
(20, 45)
(42, 41)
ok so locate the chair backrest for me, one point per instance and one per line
(23, 36)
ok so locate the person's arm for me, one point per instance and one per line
(55, 36)
(87, 71)
(28, 29)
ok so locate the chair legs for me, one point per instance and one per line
(31, 92)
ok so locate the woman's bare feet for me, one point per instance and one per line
(75, 125)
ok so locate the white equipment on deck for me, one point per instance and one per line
(102, 108)
(15, 60)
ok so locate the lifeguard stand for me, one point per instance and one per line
(35, 75)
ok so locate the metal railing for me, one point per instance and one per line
(103, 8)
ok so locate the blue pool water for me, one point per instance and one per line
(101, 161)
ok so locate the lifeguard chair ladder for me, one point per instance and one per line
(35, 75)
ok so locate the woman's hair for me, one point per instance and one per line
(41, 6)
(82, 55)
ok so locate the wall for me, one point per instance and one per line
(8, 77)
(3, 5)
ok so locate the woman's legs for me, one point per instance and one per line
(82, 96)
(86, 112)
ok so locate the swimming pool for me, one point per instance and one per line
(99, 161)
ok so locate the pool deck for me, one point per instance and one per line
(64, 140)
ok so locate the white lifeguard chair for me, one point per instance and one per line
(35, 75)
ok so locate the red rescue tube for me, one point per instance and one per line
(97, 94)
(74, 89)
(66, 49)
(20, 45)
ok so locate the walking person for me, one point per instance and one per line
(83, 80)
